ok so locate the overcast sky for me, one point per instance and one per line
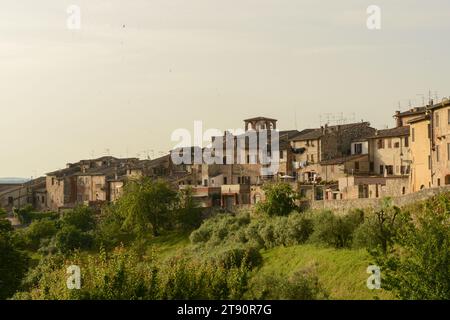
(139, 69)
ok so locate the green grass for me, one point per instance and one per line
(341, 271)
(168, 244)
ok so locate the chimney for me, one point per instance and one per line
(398, 119)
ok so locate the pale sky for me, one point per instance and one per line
(139, 69)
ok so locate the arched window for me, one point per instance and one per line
(422, 187)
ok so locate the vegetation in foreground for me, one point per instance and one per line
(145, 248)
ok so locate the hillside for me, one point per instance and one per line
(342, 272)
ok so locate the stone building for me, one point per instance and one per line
(31, 193)
(313, 146)
(402, 118)
(84, 182)
(420, 153)
(389, 151)
(439, 117)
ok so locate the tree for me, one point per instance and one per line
(280, 199)
(147, 205)
(81, 217)
(417, 265)
(13, 262)
(38, 230)
(70, 238)
(189, 215)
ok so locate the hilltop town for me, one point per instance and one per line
(325, 165)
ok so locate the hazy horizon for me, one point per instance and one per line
(135, 72)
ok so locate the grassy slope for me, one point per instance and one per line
(168, 244)
(342, 272)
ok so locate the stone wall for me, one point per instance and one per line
(343, 206)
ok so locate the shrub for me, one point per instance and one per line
(299, 228)
(336, 231)
(70, 238)
(13, 262)
(416, 264)
(122, 275)
(301, 285)
(37, 231)
(238, 256)
(26, 215)
(81, 218)
(280, 199)
(380, 227)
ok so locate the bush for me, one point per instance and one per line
(301, 285)
(262, 232)
(13, 262)
(280, 199)
(123, 275)
(334, 230)
(81, 218)
(239, 256)
(416, 264)
(37, 231)
(70, 238)
(380, 227)
(299, 228)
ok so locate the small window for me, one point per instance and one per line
(356, 165)
(397, 145)
(448, 151)
(205, 182)
(406, 142)
(10, 200)
(390, 170)
(448, 116)
(437, 153)
(281, 154)
(413, 134)
(380, 143)
(436, 120)
(224, 180)
(447, 179)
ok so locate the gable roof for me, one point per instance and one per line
(392, 132)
